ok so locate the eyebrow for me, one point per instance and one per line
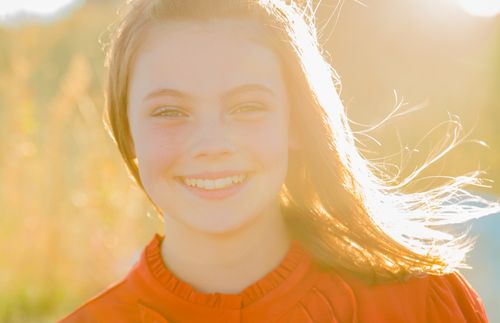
(184, 95)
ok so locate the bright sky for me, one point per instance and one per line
(486, 8)
(42, 8)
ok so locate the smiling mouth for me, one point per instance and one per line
(214, 183)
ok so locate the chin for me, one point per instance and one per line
(221, 225)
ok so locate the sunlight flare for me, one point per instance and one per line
(483, 8)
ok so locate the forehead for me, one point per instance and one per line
(206, 56)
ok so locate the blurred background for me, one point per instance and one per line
(72, 223)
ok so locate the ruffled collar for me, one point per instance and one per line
(291, 269)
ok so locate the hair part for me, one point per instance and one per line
(343, 208)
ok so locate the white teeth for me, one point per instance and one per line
(220, 182)
(211, 184)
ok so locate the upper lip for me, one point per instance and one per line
(215, 175)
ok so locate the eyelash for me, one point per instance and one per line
(254, 107)
(163, 112)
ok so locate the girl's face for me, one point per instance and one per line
(208, 114)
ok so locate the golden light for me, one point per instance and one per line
(483, 8)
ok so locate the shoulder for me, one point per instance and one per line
(430, 298)
(451, 296)
(124, 301)
(115, 302)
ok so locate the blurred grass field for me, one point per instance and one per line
(71, 221)
(65, 198)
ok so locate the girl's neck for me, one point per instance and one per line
(226, 263)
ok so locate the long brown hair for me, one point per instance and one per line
(340, 205)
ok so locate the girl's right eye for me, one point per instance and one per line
(169, 112)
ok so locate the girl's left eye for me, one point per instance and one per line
(249, 107)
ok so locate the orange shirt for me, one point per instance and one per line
(295, 291)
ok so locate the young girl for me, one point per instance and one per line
(227, 117)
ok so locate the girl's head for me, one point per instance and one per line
(208, 106)
(239, 89)
(208, 89)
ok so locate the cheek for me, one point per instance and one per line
(269, 142)
(157, 150)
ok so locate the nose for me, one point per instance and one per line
(212, 141)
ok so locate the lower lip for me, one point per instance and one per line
(216, 194)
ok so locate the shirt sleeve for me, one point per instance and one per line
(452, 299)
